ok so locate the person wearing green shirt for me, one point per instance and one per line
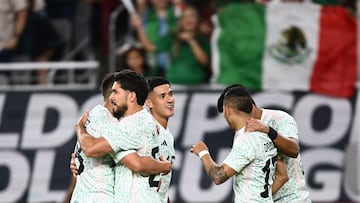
(189, 51)
(159, 18)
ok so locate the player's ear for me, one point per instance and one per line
(132, 97)
(227, 110)
(148, 103)
(253, 109)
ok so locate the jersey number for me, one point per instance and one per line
(152, 181)
(266, 170)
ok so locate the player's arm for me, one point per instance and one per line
(73, 167)
(218, 173)
(287, 145)
(73, 179)
(281, 176)
(146, 165)
(91, 146)
(70, 190)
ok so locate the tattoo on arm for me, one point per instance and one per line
(218, 174)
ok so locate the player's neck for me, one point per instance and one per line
(133, 109)
(241, 122)
(163, 121)
(108, 105)
(257, 112)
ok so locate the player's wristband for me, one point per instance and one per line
(203, 153)
(272, 133)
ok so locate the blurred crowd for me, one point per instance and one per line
(168, 38)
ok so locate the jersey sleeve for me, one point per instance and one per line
(288, 127)
(96, 121)
(121, 139)
(120, 155)
(112, 135)
(241, 154)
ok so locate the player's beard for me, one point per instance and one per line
(120, 110)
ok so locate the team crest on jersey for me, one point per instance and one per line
(291, 47)
(157, 129)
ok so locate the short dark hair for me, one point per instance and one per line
(133, 82)
(220, 101)
(156, 81)
(239, 99)
(106, 84)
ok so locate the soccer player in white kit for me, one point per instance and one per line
(160, 102)
(136, 135)
(294, 190)
(95, 179)
(283, 131)
(252, 158)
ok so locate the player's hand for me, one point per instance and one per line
(73, 168)
(197, 148)
(167, 165)
(256, 125)
(80, 125)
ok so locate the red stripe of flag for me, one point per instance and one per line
(335, 70)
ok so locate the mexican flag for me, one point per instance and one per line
(286, 46)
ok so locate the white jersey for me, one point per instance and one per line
(138, 133)
(253, 156)
(294, 190)
(95, 182)
(167, 150)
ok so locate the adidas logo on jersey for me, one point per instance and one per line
(164, 143)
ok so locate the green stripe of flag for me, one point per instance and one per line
(240, 44)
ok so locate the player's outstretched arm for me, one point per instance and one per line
(218, 173)
(288, 146)
(145, 164)
(91, 146)
(281, 176)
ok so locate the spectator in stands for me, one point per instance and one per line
(13, 16)
(206, 10)
(39, 41)
(159, 18)
(99, 21)
(189, 51)
(135, 58)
